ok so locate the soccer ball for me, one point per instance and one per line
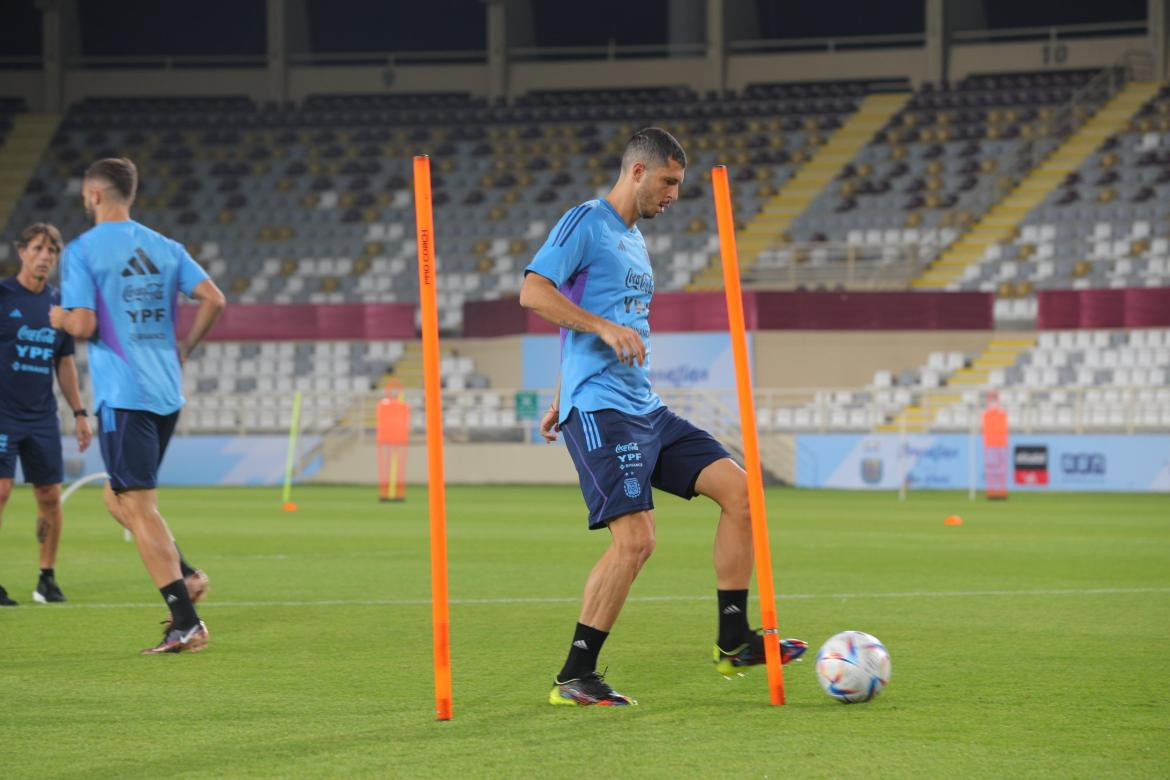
(853, 666)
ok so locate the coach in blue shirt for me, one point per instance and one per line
(120, 283)
(30, 353)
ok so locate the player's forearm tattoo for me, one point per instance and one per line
(576, 325)
(42, 529)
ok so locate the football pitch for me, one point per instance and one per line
(1025, 642)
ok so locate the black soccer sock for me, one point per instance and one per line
(733, 622)
(183, 614)
(582, 660)
(47, 574)
(184, 567)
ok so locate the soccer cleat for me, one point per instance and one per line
(590, 689)
(198, 583)
(751, 653)
(192, 640)
(48, 592)
(4, 600)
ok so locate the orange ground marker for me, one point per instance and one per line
(436, 488)
(953, 520)
(751, 442)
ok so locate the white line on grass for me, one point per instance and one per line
(921, 594)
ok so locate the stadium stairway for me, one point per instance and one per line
(409, 368)
(22, 150)
(769, 225)
(1002, 220)
(1000, 352)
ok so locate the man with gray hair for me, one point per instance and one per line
(31, 352)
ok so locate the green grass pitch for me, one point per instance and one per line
(1027, 642)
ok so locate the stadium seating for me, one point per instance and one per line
(944, 159)
(313, 203)
(234, 386)
(1108, 225)
(1070, 381)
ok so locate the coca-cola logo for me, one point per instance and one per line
(151, 291)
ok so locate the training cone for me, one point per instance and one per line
(291, 506)
(953, 520)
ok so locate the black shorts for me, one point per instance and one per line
(133, 443)
(620, 456)
(37, 444)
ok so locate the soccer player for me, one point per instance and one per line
(120, 283)
(30, 352)
(593, 278)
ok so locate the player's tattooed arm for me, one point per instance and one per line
(571, 323)
(542, 296)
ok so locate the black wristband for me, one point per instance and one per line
(80, 413)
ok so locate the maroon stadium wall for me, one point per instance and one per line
(672, 312)
(309, 322)
(707, 311)
(1134, 307)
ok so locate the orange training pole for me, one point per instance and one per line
(747, 419)
(440, 609)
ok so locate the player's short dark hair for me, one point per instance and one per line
(120, 172)
(30, 233)
(653, 146)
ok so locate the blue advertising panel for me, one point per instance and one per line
(1109, 462)
(205, 460)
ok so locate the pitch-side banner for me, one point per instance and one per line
(678, 361)
(1135, 463)
(207, 460)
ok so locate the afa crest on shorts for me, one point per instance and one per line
(633, 487)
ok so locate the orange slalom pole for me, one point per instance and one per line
(436, 490)
(751, 442)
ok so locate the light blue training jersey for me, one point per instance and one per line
(131, 277)
(602, 266)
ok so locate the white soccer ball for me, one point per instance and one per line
(853, 666)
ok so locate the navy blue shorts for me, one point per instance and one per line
(37, 444)
(133, 443)
(620, 456)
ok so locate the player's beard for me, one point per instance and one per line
(645, 210)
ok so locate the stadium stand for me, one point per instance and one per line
(234, 386)
(312, 204)
(1065, 381)
(944, 159)
(942, 163)
(1106, 225)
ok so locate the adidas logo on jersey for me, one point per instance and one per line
(15, 313)
(140, 265)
